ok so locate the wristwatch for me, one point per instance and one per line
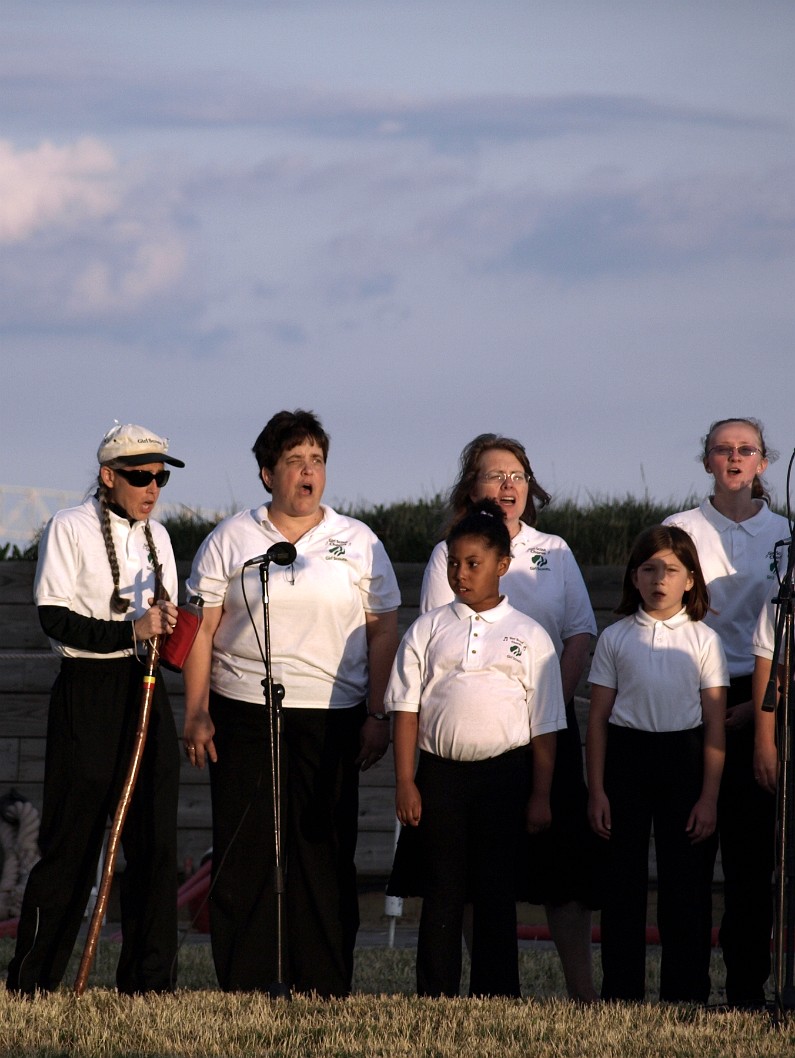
(378, 716)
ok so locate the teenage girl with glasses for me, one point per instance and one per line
(735, 533)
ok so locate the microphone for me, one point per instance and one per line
(281, 554)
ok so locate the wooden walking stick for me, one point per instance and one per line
(150, 677)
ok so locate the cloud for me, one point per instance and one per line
(52, 186)
(215, 97)
(85, 236)
(139, 270)
(609, 228)
(464, 121)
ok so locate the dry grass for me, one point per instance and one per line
(383, 1018)
(211, 1024)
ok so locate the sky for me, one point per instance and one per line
(568, 221)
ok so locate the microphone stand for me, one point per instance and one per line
(274, 694)
(784, 929)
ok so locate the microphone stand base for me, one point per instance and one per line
(279, 990)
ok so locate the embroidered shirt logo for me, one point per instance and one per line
(336, 550)
(540, 561)
(516, 647)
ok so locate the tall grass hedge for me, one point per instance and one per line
(600, 531)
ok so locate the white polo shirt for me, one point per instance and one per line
(483, 683)
(737, 559)
(74, 570)
(543, 581)
(658, 669)
(317, 608)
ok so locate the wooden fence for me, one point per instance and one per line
(27, 671)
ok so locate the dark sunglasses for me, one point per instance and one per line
(141, 478)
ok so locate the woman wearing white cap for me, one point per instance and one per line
(101, 568)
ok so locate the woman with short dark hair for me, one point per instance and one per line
(333, 624)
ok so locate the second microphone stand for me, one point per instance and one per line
(781, 676)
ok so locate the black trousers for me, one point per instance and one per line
(561, 863)
(655, 779)
(470, 829)
(91, 727)
(319, 828)
(746, 824)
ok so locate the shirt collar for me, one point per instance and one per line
(117, 515)
(676, 621)
(752, 526)
(523, 539)
(329, 519)
(496, 613)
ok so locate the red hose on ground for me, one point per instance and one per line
(196, 884)
(192, 892)
(8, 928)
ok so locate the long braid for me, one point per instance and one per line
(160, 591)
(117, 603)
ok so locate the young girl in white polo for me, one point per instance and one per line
(654, 755)
(473, 683)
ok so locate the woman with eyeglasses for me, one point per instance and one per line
(544, 582)
(735, 533)
(104, 581)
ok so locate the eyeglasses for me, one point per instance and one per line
(142, 478)
(726, 451)
(499, 477)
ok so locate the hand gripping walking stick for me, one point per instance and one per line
(147, 690)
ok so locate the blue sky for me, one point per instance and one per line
(572, 222)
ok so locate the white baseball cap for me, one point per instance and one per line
(135, 445)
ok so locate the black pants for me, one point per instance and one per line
(655, 778)
(320, 811)
(561, 863)
(470, 829)
(90, 732)
(746, 824)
